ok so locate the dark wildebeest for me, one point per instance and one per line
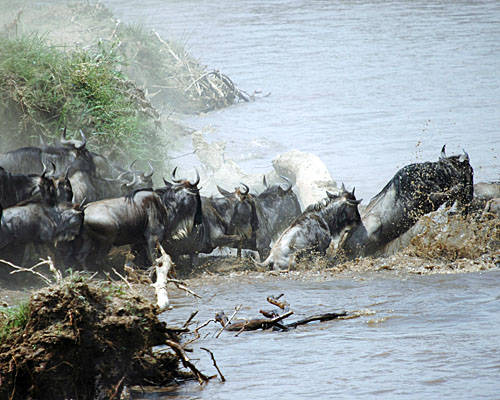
(229, 221)
(141, 219)
(37, 223)
(15, 188)
(315, 229)
(31, 160)
(415, 190)
(276, 208)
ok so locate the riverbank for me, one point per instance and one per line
(75, 65)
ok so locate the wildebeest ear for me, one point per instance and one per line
(331, 195)
(354, 202)
(224, 192)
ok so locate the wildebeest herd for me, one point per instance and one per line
(78, 205)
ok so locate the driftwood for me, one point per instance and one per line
(273, 319)
(260, 323)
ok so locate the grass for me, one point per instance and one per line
(48, 88)
(13, 319)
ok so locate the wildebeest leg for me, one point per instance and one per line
(193, 260)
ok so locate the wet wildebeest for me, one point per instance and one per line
(36, 223)
(229, 221)
(276, 208)
(415, 190)
(141, 219)
(315, 229)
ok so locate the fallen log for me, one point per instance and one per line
(321, 318)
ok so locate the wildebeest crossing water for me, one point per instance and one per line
(379, 86)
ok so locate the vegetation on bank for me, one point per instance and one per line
(43, 89)
(74, 65)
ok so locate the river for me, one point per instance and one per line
(368, 86)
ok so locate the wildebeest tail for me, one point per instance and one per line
(265, 263)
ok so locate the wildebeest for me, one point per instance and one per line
(415, 190)
(141, 219)
(229, 221)
(15, 188)
(315, 229)
(31, 160)
(276, 208)
(36, 222)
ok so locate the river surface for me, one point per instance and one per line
(417, 337)
(368, 86)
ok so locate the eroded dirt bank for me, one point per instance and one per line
(84, 339)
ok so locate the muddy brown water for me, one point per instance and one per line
(416, 337)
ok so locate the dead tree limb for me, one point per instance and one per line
(186, 362)
(275, 301)
(215, 364)
(254, 324)
(321, 318)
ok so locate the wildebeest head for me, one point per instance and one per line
(460, 173)
(341, 211)
(70, 221)
(243, 213)
(183, 199)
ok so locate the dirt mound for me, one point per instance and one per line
(86, 340)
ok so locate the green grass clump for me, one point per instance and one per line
(13, 319)
(44, 88)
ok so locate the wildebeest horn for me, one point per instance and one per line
(353, 189)
(246, 187)
(290, 184)
(264, 181)
(343, 187)
(44, 170)
(132, 164)
(197, 179)
(42, 142)
(120, 177)
(149, 174)
(443, 152)
(464, 157)
(132, 183)
(83, 143)
(63, 139)
(173, 176)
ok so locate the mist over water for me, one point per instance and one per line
(369, 87)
